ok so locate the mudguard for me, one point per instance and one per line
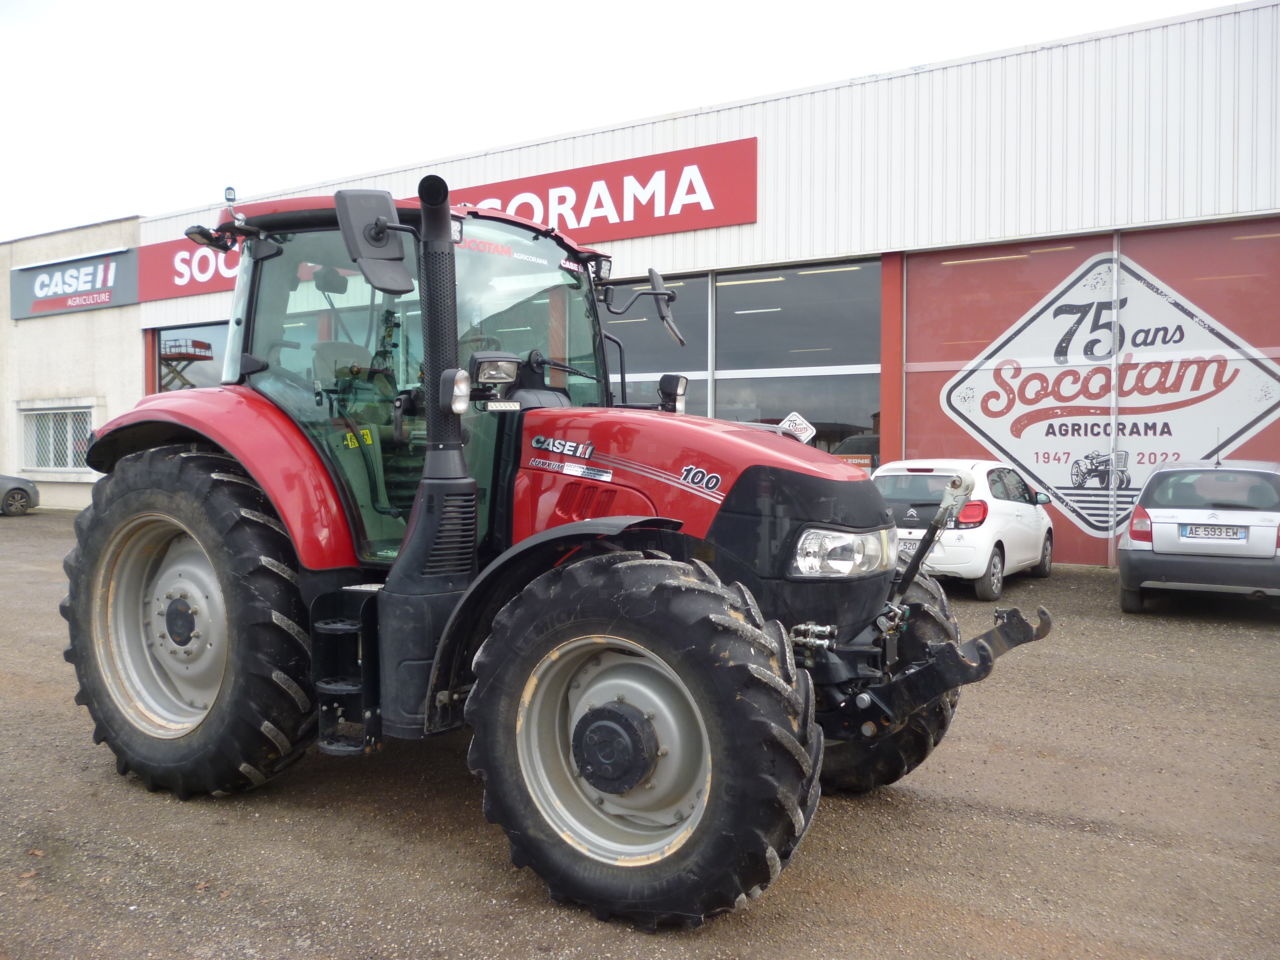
(263, 439)
(497, 583)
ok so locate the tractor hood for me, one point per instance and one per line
(688, 468)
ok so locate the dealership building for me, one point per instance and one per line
(1066, 256)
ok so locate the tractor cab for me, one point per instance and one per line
(344, 359)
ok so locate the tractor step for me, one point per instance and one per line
(341, 716)
(345, 674)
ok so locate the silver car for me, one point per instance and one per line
(1212, 527)
(17, 496)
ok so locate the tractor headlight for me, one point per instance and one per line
(842, 553)
(455, 391)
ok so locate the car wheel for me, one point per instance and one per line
(16, 503)
(990, 585)
(1045, 565)
(1131, 601)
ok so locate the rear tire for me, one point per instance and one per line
(859, 766)
(645, 738)
(188, 632)
(1044, 566)
(990, 585)
(1131, 601)
(16, 503)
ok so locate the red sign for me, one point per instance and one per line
(694, 189)
(180, 268)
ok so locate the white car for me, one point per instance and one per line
(1003, 528)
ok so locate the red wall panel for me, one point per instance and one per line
(1086, 361)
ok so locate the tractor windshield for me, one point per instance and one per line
(338, 352)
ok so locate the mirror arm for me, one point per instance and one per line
(668, 295)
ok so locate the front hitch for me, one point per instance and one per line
(935, 669)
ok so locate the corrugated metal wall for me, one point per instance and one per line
(1175, 122)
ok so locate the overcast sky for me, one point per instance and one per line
(148, 107)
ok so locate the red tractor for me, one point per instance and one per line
(402, 514)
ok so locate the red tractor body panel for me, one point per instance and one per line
(269, 445)
(591, 462)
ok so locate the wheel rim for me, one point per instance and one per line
(1046, 555)
(15, 502)
(996, 573)
(648, 821)
(160, 633)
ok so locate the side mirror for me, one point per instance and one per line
(1042, 499)
(662, 298)
(370, 228)
(661, 295)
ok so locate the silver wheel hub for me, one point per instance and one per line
(161, 635)
(613, 749)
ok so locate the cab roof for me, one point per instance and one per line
(315, 211)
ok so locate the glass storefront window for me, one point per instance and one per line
(819, 315)
(839, 407)
(649, 347)
(191, 356)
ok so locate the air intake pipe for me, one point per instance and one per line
(437, 560)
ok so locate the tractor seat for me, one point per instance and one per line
(335, 358)
(532, 398)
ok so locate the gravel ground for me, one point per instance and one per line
(1112, 791)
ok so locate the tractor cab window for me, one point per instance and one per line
(338, 353)
(517, 292)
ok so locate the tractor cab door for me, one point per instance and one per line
(336, 354)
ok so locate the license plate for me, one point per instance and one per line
(1202, 531)
(907, 548)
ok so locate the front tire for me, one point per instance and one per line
(859, 766)
(188, 632)
(645, 738)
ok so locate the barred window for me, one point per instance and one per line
(56, 439)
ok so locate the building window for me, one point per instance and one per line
(56, 439)
(803, 339)
(764, 343)
(822, 315)
(191, 356)
(840, 407)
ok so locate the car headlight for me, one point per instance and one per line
(842, 553)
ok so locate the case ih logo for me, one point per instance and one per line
(90, 283)
(1111, 375)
